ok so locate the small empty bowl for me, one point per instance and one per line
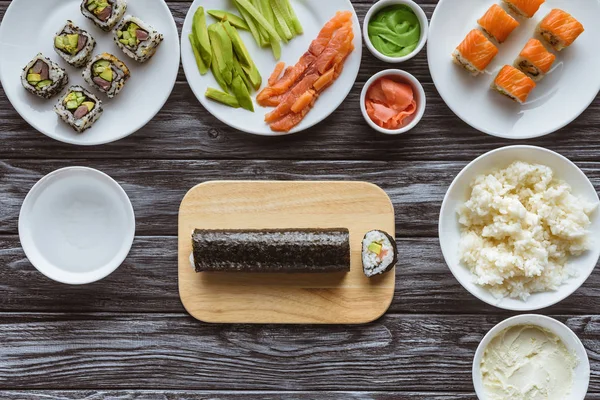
(419, 96)
(380, 5)
(581, 377)
(76, 225)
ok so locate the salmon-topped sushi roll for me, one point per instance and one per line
(514, 84)
(535, 60)
(524, 8)
(497, 23)
(560, 29)
(475, 53)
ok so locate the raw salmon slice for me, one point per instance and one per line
(276, 73)
(340, 19)
(513, 83)
(497, 23)
(290, 98)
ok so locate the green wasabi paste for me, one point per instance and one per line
(395, 31)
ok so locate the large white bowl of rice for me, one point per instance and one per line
(520, 228)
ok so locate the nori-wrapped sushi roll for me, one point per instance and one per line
(74, 45)
(379, 253)
(79, 108)
(43, 77)
(137, 39)
(287, 250)
(104, 13)
(106, 73)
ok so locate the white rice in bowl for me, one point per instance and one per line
(519, 228)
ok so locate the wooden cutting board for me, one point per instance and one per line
(334, 298)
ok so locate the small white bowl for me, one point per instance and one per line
(581, 378)
(76, 225)
(375, 8)
(400, 76)
(458, 193)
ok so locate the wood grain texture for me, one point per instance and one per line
(170, 351)
(424, 284)
(333, 298)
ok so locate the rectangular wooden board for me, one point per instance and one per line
(333, 298)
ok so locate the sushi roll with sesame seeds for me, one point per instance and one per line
(104, 13)
(106, 73)
(379, 253)
(43, 77)
(74, 45)
(137, 39)
(79, 108)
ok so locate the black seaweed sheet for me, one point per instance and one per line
(287, 250)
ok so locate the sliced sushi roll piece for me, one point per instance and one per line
(79, 108)
(104, 13)
(43, 77)
(535, 60)
(379, 253)
(513, 83)
(524, 8)
(560, 29)
(475, 53)
(106, 73)
(74, 45)
(497, 23)
(137, 39)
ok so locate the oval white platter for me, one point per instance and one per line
(313, 14)
(558, 99)
(29, 26)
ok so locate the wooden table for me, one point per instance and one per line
(129, 336)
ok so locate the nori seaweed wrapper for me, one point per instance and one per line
(287, 250)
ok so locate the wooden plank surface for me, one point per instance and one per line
(128, 337)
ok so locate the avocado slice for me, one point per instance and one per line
(89, 104)
(222, 50)
(254, 76)
(241, 93)
(214, 67)
(222, 97)
(107, 75)
(71, 97)
(238, 45)
(375, 247)
(72, 105)
(44, 83)
(200, 30)
(233, 19)
(34, 78)
(199, 61)
(238, 71)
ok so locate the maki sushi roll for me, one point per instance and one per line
(79, 108)
(74, 45)
(497, 23)
(137, 39)
(43, 77)
(513, 84)
(560, 29)
(524, 8)
(104, 13)
(379, 253)
(475, 53)
(535, 60)
(106, 73)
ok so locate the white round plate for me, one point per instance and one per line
(76, 225)
(581, 379)
(313, 14)
(458, 194)
(29, 26)
(558, 99)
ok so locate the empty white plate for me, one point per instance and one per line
(558, 99)
(313, 14)
(76, 225)
(28, 28)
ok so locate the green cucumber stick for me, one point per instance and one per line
(263, 33)
(260, 20)
(201, 65)
(294, 18)
(250, 22)
(281, 20)
(200, 31)
(233, 19)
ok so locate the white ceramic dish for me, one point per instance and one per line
(401, 76)
(313, 14)
(458, 193)
(559, 98)
(29, 26)
(375, 8)
(582, 371)
(76, 225)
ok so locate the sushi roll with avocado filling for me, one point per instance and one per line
(379, 253)
(106, 73)
(79, 108)
(74, 45)
(104, 13)
(43, 77)
(137, 39)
